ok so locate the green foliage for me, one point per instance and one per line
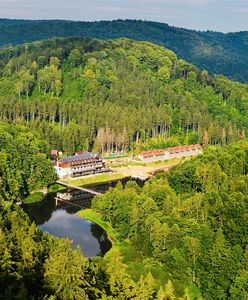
(24, 166)
(22, 253)
(181, 234)
(218, 52)
(35, 197)
(89, 94)
(64, 272)
(185, 228)
(34, 265)
(192, 221)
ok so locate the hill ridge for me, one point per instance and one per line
(219, 53)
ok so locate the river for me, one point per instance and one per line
(61, 220)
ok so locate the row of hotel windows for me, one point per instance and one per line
(79, 162)
(84, 167)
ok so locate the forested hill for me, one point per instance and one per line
(184, 234)
(9, 22)
(117, 95)
(214, 51)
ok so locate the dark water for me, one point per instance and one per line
(60, 220)
(103, 187)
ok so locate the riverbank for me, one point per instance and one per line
(91, 215)
(34, 198)
(136, 264)
(54, 188)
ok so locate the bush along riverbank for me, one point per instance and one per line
(38, 196)
(34, 198)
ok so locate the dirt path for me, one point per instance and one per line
(149, 168)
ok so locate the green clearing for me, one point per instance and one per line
(56, 188)
(33, 198)
(163, 163)
(97, 179)
(172, 162)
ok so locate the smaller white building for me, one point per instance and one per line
(63, 172)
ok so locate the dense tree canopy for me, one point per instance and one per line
(192, 220)
(24, 164)
(34, 265)
(217, 52)
(118, 95)
(186, 229)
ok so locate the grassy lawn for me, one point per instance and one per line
(163, 163)
(33, 198)
(171, 162)
(95, 179)
(54, 188)
(95, 217)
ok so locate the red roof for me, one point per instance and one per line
(151, 153)
(177, 149)
(54, 152)
(80, 152)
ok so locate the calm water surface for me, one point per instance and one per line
(60, 220)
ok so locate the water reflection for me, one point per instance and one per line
(89, 236)
(103, 187)
(62, 222)
(58, 218)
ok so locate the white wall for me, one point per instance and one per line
(63, 172)
(170, 155)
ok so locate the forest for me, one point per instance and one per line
(188, 225)
(117, 96)
(24, 164)
(185, 230)
(216, 52)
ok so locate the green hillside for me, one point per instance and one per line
(188, 226)
(117, 95)
(184, 234)
(9, 22)
(214, 51)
